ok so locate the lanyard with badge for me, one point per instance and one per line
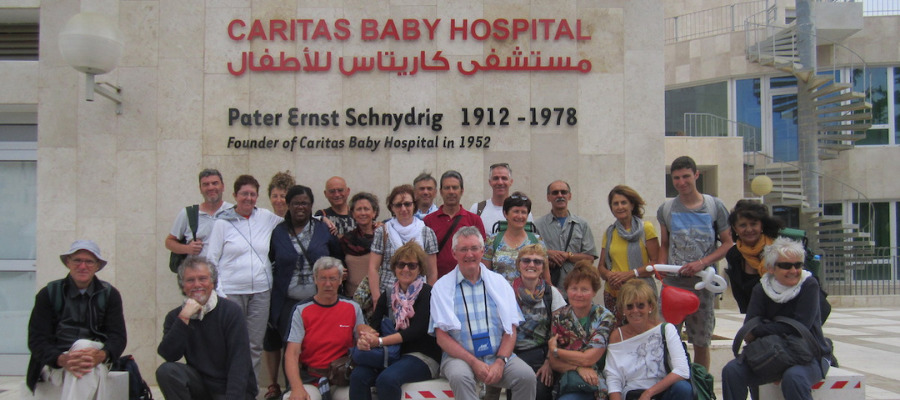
(481, 341)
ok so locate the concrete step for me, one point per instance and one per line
(854, 106)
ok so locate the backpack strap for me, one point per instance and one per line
(449, 232)
(55, 292)
(193, 215)
(481, 205)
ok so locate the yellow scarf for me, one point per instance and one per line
(752, 255)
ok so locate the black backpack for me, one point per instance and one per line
(137, 386)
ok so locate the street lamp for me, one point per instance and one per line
(93, 44)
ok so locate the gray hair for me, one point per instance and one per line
(467, 231)
(424, 176)
(500, 165)
(782, 247)
(569, 188)
(326, 262)
(452, 174)
(210, 172)
(194, 263)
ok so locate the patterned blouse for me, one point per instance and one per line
(572, 335)
(503, 257)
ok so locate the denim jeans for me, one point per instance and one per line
(388, 381)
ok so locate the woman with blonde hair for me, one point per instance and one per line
(635, 367)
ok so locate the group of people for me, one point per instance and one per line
(488, 295)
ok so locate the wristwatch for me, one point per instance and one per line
(556, 352)
(505, 360)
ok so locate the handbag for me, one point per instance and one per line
(363, 294)
(380, 357)
(571, 382)
(702, 381)
(193, 215)
(769, 356)
(339, 371)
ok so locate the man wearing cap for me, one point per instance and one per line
(76, 326)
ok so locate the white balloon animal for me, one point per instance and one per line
(709, 280)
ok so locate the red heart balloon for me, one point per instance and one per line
(677, 303)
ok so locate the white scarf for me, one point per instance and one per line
(443, 294)
(400, 234)
(207, 308)
(780, 293)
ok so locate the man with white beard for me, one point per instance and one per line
(211, 334)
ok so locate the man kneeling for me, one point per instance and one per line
(210, 332)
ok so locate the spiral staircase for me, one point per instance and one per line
(842, 118)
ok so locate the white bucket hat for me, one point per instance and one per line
(88, 245)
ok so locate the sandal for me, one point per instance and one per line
(274, 392)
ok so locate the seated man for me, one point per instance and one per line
(474, 316)
(322, 330)
(211, 334)
(76, 326)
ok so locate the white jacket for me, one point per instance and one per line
(240, 249)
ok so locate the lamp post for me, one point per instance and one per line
(91, 43)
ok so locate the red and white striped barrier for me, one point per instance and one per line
(433, 389)
(840, 384)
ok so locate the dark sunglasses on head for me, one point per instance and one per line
(640, 306)
(536, 261)
(412, 266)
(789, 265)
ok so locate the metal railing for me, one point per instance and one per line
(705, 124)
(872, 275)
(874, 8)
(712, 22)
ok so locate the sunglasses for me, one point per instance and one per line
(640, 306)
(536, 261)
(789, 265)
(562, 192)
(407, 204)
(504, 165)
(412, 266)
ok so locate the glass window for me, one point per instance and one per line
(782, 82)
(875, 219)
(18, 189)
(897, 105)
(875, 87)
(710, 99)
(749, 112)
(784, 127)
(875, 136)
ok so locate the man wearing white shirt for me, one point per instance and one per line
(491, 210)
(211, 187)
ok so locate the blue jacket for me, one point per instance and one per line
(284, 259)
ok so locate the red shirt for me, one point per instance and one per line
(440, 223)
(325, 333)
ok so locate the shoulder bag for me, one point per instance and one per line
(769, 356)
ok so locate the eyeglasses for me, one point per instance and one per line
(300, 204)
(473, 249)
(562, 192)
(519, 197)
(336, 191)
(329, 279)
(406, 204)
(536, 261)
(640, 306)
(412, 266)
(247, 194)
(789, 265)
(79, 261)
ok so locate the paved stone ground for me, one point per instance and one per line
(867, 340)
